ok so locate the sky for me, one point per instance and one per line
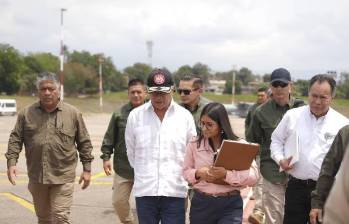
(305, 36)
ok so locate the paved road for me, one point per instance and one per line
(91, 206)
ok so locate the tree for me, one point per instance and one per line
(343, 86)
(11, 66)
(181, 72)
(202, 70)
(228, 87)
(35, 64)
(266, 77)
(113, 80)
(80, 79)
(138, 70)
(302, 86)
(245, 76)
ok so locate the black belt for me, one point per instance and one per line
(307, 182)
(225, 194)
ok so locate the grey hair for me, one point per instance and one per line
(47, 76)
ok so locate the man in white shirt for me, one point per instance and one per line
(156, 137)
(301, 141)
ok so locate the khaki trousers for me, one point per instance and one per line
(52, 202)
(273, 200)
(123, 204)
(257, 190)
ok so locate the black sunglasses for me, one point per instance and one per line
(185, 91)
(279, 83)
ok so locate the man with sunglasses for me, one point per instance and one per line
(265, 120)
(156, 137)
(307, 133)
(262, 97)
(190, 90)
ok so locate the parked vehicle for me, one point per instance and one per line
(231, 108)
(242, 109)
(8, 107)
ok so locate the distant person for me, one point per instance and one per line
(156, 136)
(214, 203)
(314, 127)
(262, 97)
(264, 121)
(114, 142)
(337, 204)
(53, 133)
(190, 90)
(328, 172)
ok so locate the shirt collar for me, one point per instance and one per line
(322, 118)
(290, 103)
(58, 107)
(149, 106)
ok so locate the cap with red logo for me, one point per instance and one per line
(160, 80)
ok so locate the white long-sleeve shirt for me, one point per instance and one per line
(156, 149)
(315, 136)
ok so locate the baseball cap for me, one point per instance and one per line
(280, 75)
(160, 80)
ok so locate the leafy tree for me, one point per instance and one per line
(245, 75)
(202, 71)
(113, 80)
(11, 66)
(138, 70)
(47, 61)
(36, 63)
(266, 77)
(228, 87)
(301, 87)
(181, 72)
(343, 86)
(80, 79)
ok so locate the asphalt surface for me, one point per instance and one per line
(90, 206)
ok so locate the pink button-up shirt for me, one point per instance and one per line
(196, 158)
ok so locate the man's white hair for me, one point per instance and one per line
(47, 76)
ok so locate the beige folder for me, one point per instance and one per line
(234, 155)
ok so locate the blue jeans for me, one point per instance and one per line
(153, 209)
(216, 210)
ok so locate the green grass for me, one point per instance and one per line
(112, 101)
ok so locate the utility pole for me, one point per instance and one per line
(233, 86)
(150, 44)
(61, 75)
(100, 61)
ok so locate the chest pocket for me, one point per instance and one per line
(29, 130)
(66, 136)
(120, 130)
(143, 137)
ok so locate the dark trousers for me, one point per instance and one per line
(298, 200)
(216, 210)
(153, 209)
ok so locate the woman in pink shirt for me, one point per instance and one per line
(214, 203)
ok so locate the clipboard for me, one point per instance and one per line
(236, 155)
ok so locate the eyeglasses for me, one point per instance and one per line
(279, 83)
(208, 126)
(185, 91)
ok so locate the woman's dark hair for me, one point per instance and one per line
(218, 113)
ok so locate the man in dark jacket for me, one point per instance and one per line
(265, 120)
(114, 142)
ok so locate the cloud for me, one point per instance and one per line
(262, 35)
